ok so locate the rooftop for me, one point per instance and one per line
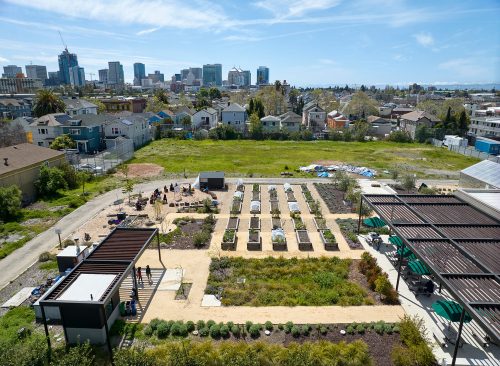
(486, 171)
(24, 155)
(87, 287)
(418, 115)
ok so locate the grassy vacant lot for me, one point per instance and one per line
(287, 282)
(269, 158)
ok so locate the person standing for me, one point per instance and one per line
(139, 275)
(148, 274)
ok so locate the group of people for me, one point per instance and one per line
(133, 293)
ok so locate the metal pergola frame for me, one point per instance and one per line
(486, 311)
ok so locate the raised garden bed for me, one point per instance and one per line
(290, 197)
(255, 187)
(279, 245)
(276, 223)
(236, 206)
(233, 223)
(273, 195)
(274, 206)
(313, 207)
(229, 240)
(333, 198)
(298, 224)
(254, 223)
(320, 224)
(241, 188)
(329, 240)
(254, 240)
(255, 196)
(303, 240)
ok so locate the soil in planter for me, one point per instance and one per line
(232, 223)
(254, 223)
(254, 237)
(321, 224)
(290, 197)
(236, 206)
(332, 197)
(276, 223)
(275, 205)
(255, 196)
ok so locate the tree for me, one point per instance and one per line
(70, 175)
(101, 108)
(155, 105)
(382, 285)
(129, 188)
(186, 122)
(10, 202)
(80, 355)
(463, 123)
(133, 356)
(214, 93)
(162, 96)
(422, 133)
(63, 142)
(49, 181)
(360, 105)
(360, 130)
(408, 182)
(256, 128)
(11, 133)
(272, 99)
(47, 102)
(83, 177)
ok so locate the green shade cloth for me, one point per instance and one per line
(450, 310)
(406, 252)
(374, 222)
(418, 267)
(396, 240)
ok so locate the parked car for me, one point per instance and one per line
(90, 168)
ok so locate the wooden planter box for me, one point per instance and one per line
(255, 196)
(254, 223)
(328, 244)
(320, 226)
(303, 240)
(280, 246)
(309, 206)
(233, 223)
(273, 195)
(254, 240)
(290, 197)
(236, 206)
(229, 245)
(276, 223)
(306, 199)
(241, 188)
(274, 206)
(258, 188)
(296, 224)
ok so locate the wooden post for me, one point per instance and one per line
(359, 218)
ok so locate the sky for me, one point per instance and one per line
(307, 43)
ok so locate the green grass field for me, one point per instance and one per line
(269, 158)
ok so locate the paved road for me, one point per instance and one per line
(16, 263)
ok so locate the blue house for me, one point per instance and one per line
(154, 119)
(88, 135)
(166, 114)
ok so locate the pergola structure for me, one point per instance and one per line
(89, 295)
(457, 242)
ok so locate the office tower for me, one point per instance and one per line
(115, 73)
(103, 76)
(262, 75)
(247, 78)
(36, 72)
(139, 73)
(212, 75)
(66, 60)
(77, 76)
(54, 78)
(10, 71)
(239, 77)
(184, 74)
(157, 77)
(177, 77)
(197, 72)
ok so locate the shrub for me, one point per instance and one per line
(204, 332)
(162, 330)
(224, 331)
(360, 329)
(215, 331)
(269, 326)
(154, 323)
(175, 329)
(395, 329)
(190, 326)
(235, 329)
(46, 256)
(248, 324)
(254, 330)
(323, 330)
(295, 331)
(148, 331)
(210, 323)
(200, 324)
(288, 327)
(350, 329)
(10, 201)
(304, 330)
(229, 324)
(379, 328)
(201, 238)
(281, 326)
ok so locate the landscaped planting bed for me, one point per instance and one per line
(233, 223)
(190, 233)
(298, 224)
(229, 240)
(254, 223)
(320, 224)
(329, 240)
(287, 282)
(279, 244)
(254, 240)
(273, 195)
(349, 229)
(333, 198)
(306, 193)
(303, 240)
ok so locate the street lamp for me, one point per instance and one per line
(58, 232)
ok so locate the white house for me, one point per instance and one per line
(313, 117)
(235, 116)
(270, 124)
(290, 122)
(77, 107)
(46, 128)
(206, 119)
(134, 127)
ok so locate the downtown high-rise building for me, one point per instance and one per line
(212, 75)
(157, 77)
(239, 77)
(66, 61)
(103, 76)
(77, 76)
(36, 72)
(139, 73)
(262, 75)
(115, 73)
(11, 71)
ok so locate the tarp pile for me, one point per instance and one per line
(325, 171)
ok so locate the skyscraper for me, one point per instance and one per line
(262, 75)
(115, 73)
(66, 60)
(139, 73)
(36, 72)
(197, 72)
(103, 76)
(212, 75)
(77, 76)
(157, 77)
(10, 71)
(239, 77)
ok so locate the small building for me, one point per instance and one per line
(134, 127)
(205, 118)
(77, 107)
(11, 108)
(20, 166)
(410, 121)
(212, 180)
(290, 122)
(235, 116)
(379, 126)
(488, 146)
(70, 256)
(313, 117)
(335, 120)
(134, 105)
(270, 124)
(485, 174)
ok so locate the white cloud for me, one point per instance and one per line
(147, 31)
(295, 8)
(3, 59)
(424, 38)
(326, 61)
(470, 68)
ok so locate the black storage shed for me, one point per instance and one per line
(212, 180)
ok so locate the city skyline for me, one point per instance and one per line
(323, 42)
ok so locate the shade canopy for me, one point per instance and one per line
(418, 267)
(450, 310)
(396, 240)
(293, 207)
(407, 253)
(374, 222)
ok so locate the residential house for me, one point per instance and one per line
(410, 121)
(235, 116)
(399, 111)
(20, 166)
(313, 117)
(205, 118)
(335, 120)
(270, 124)
(135, 128)
(78, 107)
(11, 108)
(379, 126)
(290, 122)
(180, 115)
(46, 128)
(134, 105)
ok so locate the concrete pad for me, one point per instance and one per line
(18, 298)
(171, 280)
(210, 301)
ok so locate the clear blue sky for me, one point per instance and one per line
(308, 42)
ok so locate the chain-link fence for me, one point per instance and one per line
(467, 151)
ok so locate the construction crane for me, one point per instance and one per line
(91, 76)
(62, 41)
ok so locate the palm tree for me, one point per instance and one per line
(47, 102)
